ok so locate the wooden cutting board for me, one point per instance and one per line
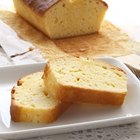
(109, 41)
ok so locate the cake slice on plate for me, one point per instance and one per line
(30, 104)
(80, 80)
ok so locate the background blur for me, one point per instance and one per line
(123, 13)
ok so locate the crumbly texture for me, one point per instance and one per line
(30, 104)
(82, 80)
(65, 18)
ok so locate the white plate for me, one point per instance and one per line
(78, 117)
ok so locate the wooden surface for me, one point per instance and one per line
(109, 41)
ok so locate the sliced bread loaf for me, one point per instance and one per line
(63, 18)
(30, 104)
(80, 80)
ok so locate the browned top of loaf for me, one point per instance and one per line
(40, 6)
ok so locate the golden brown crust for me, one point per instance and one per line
(14, 110)
(40, 6)
(76, 94)
(24, 114)
(19, 82)
(104, 3)
(13, 90)
(46, 70)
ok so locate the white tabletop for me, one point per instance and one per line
(124, 14)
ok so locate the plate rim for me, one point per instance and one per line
(132, 118)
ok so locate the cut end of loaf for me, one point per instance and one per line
(89, 74)
(76, 79)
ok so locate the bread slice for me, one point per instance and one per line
(63, 18)
(30, 104)
(82, 80)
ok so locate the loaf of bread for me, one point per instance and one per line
(63, 18)
(82, 80)
(30, 104)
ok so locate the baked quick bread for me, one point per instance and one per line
(82, 80)
(63, 18)
(30, 104)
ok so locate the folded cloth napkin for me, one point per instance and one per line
(18, 50)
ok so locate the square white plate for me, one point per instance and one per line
(77, 117)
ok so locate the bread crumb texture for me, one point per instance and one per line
(31, 104)
(31, 93)
(89, 74)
